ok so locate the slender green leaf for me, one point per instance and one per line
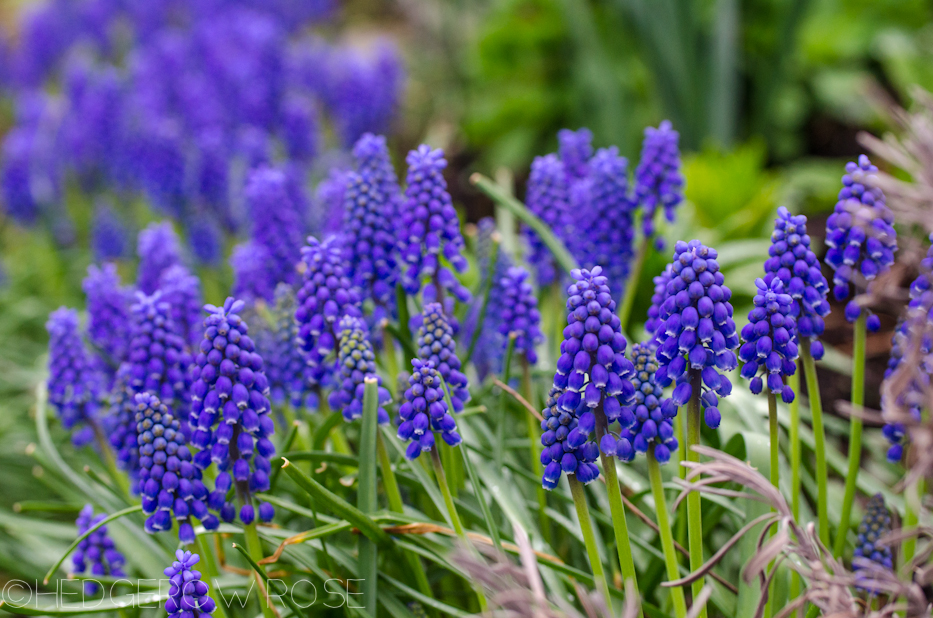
(92, 606)
(87, 533)
(366, 496)
(261, 572)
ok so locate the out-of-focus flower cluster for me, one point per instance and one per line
(95, 555)
(875, 524)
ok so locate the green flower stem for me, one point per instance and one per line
(775, 437)
(616, 506)
(499, 453)
(390, 356)
(855, 431)
(631, 287)
(589, 538)
(119, 479)
(254, 546)
(694, 513)
(913, 494)
(209, 564)
(794, 431)
(534, 442)
(819, 439)
(664, 531)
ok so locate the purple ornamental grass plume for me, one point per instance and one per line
(519, 312)
(592, 366)
(169, 483)
(96, 555)
(653, 412)
(793, 262)
(607, 217)
(355, 363)
(425, 411)
(158, 364)
(109, 325)
(276, 225)
(917, 323)
(251, 278)
(108, 234)
(74, 383)
(696, 333)
(770, 340)
(436, 344)
(548, 198)
(559, 454)
(182, 291)
(291, 381)
(187, 594)
(860, 235)
(158, 249)
(430, 228)
(658, 181)
(230, 408)
(325, 296)
(575, 149)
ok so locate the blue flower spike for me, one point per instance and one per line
(96, 554)
(356, 362)
(653, 412)
(770, 338)
(437, 345)
(658, 180)
(425, 411)
(188, 596)
(560, 454)
(869, 549)
(549, 199)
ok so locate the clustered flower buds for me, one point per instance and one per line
(230, 402)
(431, 228)
(276, 224)
(559, 454)
(187, 594)
(158, 248)
(696, 335)
(549, 199)
(657, 297)
(658, 181)
(108, 309)
(770, 340)
(169, 483)
(425, 411)
(653, 412)
(860, 235)
(182, 291)
(355, 363)
(290, 378)
(96, 551)
(793, 262)
(575, 149)
(520, 314)
(874, 525)
(436, 344)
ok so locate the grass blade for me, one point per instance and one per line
(87, 533)
(265, 578)
(366, 497)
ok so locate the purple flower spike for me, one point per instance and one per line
(653, 413)
(657, 298)
(520, 313)
(75, 384)
(489, 353)
(356, 362)
(565, 438)
(277, 226)
(575, 149)
(182, 291)
(696, 333)
(793, 262)
(425, 411)
(169, 483)
(108, 308)
(592, 366)
(158, 249)
(860, 234)
(871, 548)
(436, 344)
(187, 594)
(108, 234)
(658, 181)
(325, 296)
(430, 227)
(230, 409)
(770, 338)
(251, 277)
(96, 554)
(548, 198)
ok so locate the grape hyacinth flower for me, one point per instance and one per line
(108, 308)
(372, 160)
(108, 234)
(290, 378)
(157, 363)
(187, 594)
(325, 296)
(230, 407)
(860, 235)
(592, 365)
(560, 454)
(489, 350)
(182, 291)
(520, 313)
(608, 218)
(96, 551)
(657, 298)
(548, 198)
(653, 412)
(436, 344)
(425, 411)
(356, 362)
(251, 278)
(770, 340)
(696, 335)
(169, 483)
(74, 381)
(329, 200)
(874, 525)
(205, 240)
(793, 262)
(575, 149)
(658, 181)
(158, 249)
(430, 228)
(276, 225)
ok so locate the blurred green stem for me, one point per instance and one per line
(664, 531)
(855, 432)
(499, 453)
(119, 479)
(209, 564)
(694, 512)
(631, 287)
(254, 546)
(819, 438)
(775, 437)
(794, 431)
(534, 442)
(589, 538)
